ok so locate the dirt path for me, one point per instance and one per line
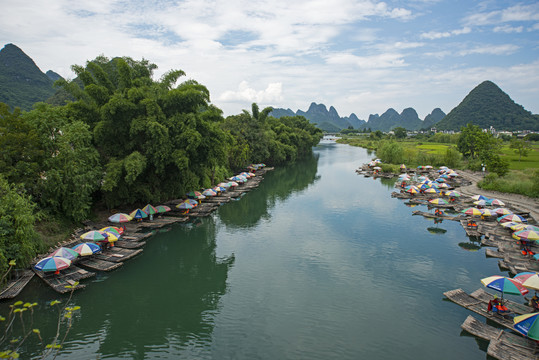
(523, 203)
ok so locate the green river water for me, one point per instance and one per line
(316, 263)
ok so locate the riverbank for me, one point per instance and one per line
(522, 202)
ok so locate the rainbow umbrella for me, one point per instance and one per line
(487, 212)
(438, 201)
(195, 195)
(94, 235)
(138, 214)
(163, 208)
(495, 202)
(232, 184)
(531, 227)
(472, 211)
(443, 186)
(111, 237)
(479, 197)
(192, 202)
(149, 209)
(223, 185)
(412, 189)
(65, 253)
(185, 206)
(53, 263)
(509, 224)
(532, 282)
(512, 217)
(209, 192)
(480, 202)
(527, 235)
(113, 230)
(502, 211)
(517, 226)
(432, 190)
(120, 218)
(86, 248)
(527, 325)
(453, 194)
(523, 276)
(504, 285)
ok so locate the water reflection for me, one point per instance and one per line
(278, 185)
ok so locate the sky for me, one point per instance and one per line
(359, 56)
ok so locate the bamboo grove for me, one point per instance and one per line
(124, 138)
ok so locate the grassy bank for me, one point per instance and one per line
(523, 177)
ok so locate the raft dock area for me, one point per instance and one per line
(130, 244)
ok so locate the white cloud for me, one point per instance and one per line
(509, 29)
(272, 93)
(514, 13)
(386, 60)
(433, 35)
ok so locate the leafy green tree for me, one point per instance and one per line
(400, 132)
(18, 239)
(521, 147)
(472, 139)
(21, 155)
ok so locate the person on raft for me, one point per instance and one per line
(438, 212)
(497, 306)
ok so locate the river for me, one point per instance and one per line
(316, 263)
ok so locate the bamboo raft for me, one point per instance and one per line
(129, 244)
(15, 286)
(93, 263)
(433, 216)
(503, 345)
(460, 297)
(67, 277)
(115, 254)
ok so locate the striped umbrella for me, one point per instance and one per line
(185, 206)
(495, 202)
(149, 209)
(527, 235)
(113, 230)
(138, 214)
(527, 325)
(512, 217)
(65, 253)
(120, 218)
(479, 197)
(94, 235)
(502, 211)
(86, 248)
(163, 208)
(487, 212)
(53, 263)
(472, 211)
(438, 201)
(209, 192)
(504, 285)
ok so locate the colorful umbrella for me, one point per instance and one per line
(438, 201)
(487, 212)
(517, 226)
(111, 237)
(480, 202)
(209, 192)
(523, 276)
(412, 189)
(495, 202)
(502, 211)
(53, 263)
(232, 184)
(527, 325)
(532, 282)
(65, 253)
(504, 285)
(512, 217)
(443, 186)
(120, 218)
(138, 214)
(527, 235)
(432, 190)
(223, 185)
(192, 202)
(86, 248)
(531, 227)
(163, 208)
(113, 229)
(452, 194)
(185, 206)
(149, 209)
(479, 197)
(94, 235)
(472, 211)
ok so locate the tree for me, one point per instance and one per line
(472, 139)
(521, 147)
(400, 132)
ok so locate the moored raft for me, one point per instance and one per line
(98, 264)
(15, 286)
(67, 277)
(117, 254)
(503, 344)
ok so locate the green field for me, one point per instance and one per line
(529, 162)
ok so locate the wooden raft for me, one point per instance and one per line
(98, 264)
(503, 345)
(129, 244)
(14, 287)
(432, 216)
(117, 254)
(66, 277)
(460, 297)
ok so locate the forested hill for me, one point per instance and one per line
(487, 105)
(22, 83)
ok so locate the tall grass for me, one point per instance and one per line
(516, 182)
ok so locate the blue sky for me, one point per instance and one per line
(361, 57)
